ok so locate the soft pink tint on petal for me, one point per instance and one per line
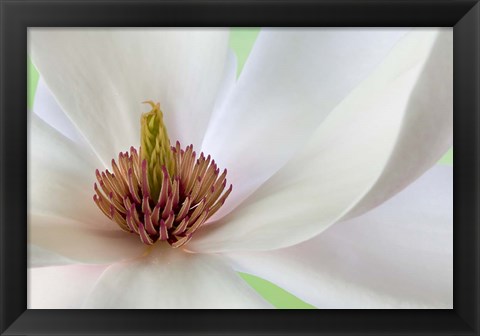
(61, 287)
(350, 152)
(399, 255)
(76, 241)
(61, 176)
(292, 80)
(101, 76)
(171, 279)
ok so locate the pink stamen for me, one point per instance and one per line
(187, 198)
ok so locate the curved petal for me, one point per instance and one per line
(61, 176)
(352, 150)
(76, 241)
(292, 79)
(61, 287)
(427, 129)
(47, 108)
(63, 219)
(40, 257)
(399, 255)
(169, 278)
(228, 83)
(100, 76)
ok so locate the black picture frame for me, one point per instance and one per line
(17, 15)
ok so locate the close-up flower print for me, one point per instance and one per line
(169, 168)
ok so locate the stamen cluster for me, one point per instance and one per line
(186, 198)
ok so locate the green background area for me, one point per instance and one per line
(241, 41)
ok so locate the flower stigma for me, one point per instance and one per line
(160, 192)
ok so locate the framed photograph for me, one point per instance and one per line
(225, 157)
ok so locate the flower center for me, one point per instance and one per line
(160, 192)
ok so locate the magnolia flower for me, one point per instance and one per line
(321, 135)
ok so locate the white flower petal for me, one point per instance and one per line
(399, 255)
(60, 287)
(292, 79)
(63, 219)
(352, 150)
(47, 108)
(169, 278)
(100, 76)
(427, 129)
(76, 241)
(228, 83)
(40, 257)
(61, 175)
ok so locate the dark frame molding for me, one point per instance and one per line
(17, 15)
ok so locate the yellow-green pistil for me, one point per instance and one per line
(156, 148)
(161, 192)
